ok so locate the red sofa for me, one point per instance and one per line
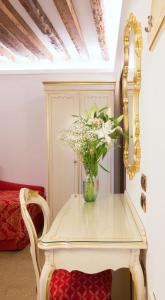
(13, 233)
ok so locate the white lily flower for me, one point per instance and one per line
(94, 121)
(109, 112)
(116, 128)
(108, 139)
(89, 133)
(90, 121)
(104, 131)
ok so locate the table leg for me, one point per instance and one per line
(46, 272)
(138, 277)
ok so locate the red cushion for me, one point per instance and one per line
(4, 185)
(77, 285)
(13, 233)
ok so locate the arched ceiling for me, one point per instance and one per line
(58, 34)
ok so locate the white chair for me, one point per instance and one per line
(27, 197)
(92, 284)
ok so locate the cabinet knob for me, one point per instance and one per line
(75, 161)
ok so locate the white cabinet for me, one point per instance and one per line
(65, 173)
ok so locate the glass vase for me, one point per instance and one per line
(90, 188)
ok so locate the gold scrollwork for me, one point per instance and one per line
(132, 26)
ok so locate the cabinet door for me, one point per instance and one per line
(62, 164)
(101, 99)
(65, 173)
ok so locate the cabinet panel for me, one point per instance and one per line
(63, 171)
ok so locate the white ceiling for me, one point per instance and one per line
(95, 61)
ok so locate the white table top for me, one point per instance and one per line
(111, 219)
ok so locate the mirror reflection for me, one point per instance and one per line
(131, 65)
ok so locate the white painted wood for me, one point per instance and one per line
(51, 86)
(137, 276)
(108, 219)
(65, 173)
(45, 277)
(27, 197)
(62, 171)
(136, 217)
(92, 237)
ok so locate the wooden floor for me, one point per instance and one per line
(17, 280)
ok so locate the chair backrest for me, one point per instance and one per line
(27, 197)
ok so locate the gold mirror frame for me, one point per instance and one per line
(135, 27)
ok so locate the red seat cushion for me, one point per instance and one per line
(77, 285)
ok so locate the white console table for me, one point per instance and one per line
(92, 237)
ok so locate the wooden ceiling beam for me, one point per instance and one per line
(10, 42)
(14, 30)
(21, 30)
(36, 12)
(5, 52)
(70, 20)
(97, 12)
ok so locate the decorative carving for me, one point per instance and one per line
(135, 27)
(32, 194)
(21, 30)
(36, 12)
(99, 23)
(69, 18)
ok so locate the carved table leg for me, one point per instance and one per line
(47, 270)
(137, 276)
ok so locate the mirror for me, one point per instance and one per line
(131, 64)
(131, 82)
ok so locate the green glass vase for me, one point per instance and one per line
(90, 188)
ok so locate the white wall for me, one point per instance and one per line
(23, 123)
(152, 121)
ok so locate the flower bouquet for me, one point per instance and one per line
(91, 136)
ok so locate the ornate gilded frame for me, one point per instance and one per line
(132, 26)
